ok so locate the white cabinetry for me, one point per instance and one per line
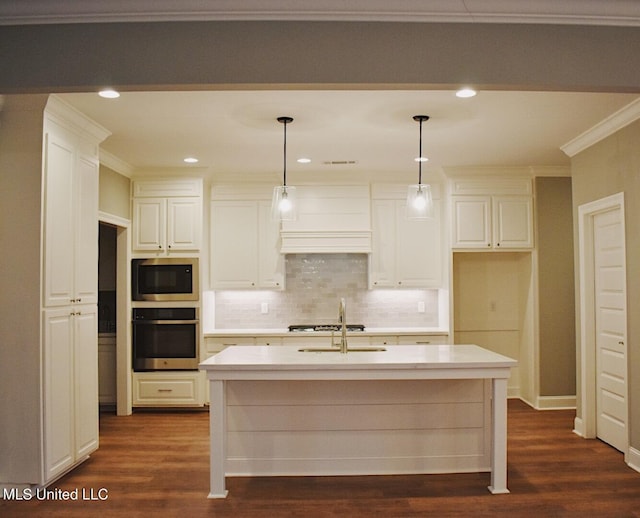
(70, 217)
(70, 285)
(107, 369)
(168, 388)
(70, 372)
(167, 215)
(492, 213)
(405, 253)
(244, 241)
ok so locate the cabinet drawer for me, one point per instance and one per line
(169, 390)
(422, 339)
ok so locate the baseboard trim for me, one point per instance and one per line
(633, 459)
(556, 403)
(578, 427)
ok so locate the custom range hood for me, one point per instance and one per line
(331, 219)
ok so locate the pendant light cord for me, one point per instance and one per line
(420, 157)
(420, 119)
(285, 121)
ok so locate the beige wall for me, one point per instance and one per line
(114, 193)
(609, 167)
(21, 125)
(556, 308)
(165, 55)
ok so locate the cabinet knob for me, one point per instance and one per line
(78, 300)
(489, 244)
(159, 246)
(168, 246)
(497, 244)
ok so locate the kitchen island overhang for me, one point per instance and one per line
(275, 410)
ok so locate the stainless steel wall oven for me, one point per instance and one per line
(165, 339)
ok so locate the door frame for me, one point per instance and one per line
(123, 312)
(585, 425)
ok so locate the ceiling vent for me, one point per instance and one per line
(340, 162)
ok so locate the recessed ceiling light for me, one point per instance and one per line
(304, 160)
(109, 93)
(465, 93)
(191, 160)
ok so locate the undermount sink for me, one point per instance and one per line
(336, 350)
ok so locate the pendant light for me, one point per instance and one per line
(283, 203)
(419, 200)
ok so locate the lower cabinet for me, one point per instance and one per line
(107, 369)
(70, 372)
(170, 388)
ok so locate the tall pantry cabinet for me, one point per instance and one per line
(66, 413)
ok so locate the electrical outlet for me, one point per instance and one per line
(264, 308)
(421, 306)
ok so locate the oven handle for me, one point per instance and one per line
(161, 322)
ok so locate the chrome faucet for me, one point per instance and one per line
(342, 320)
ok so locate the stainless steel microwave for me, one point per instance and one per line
(164, 279)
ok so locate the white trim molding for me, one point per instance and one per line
(556, 402)
(615, 122)
(116, 164)
(633, 459)
(575, 12)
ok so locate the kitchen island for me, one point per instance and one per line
(410, 409)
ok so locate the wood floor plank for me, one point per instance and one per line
(156, 463)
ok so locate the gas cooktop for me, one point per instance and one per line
(297, 328)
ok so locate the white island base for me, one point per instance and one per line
(407, 410)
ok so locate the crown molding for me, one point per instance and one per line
(116, 164)
(576, 12)
(615, 122)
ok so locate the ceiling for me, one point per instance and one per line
(346, 131)
(235, 132)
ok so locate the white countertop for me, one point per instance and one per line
(412, 357)
(368, 331)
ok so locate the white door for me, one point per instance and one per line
(610, 328)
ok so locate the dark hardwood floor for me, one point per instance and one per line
(156, 464)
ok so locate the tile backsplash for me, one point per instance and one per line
(314, 285)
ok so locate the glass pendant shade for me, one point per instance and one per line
(283, 203)
(419, 202)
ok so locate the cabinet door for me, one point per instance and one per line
(86, 180)
(270, 260)
(58, 385)
(382, 262)
(107, 370)
(512, 222)
(234, 244)
(471, 221)
(149, 217)
(59, 218)
(418, 249)
(85, 330)
(184, 223)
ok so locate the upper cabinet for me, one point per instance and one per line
(405, 253)
(167, 215)
(492, 213)
(245, 243)
(70, 186)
